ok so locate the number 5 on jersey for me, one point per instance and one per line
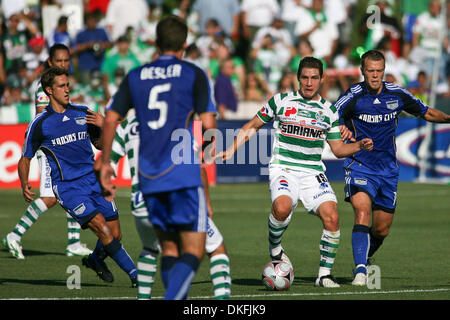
(155, 104)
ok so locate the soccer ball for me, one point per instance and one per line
(277, 275)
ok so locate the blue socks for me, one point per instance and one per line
(167, 262)
(360, 245)
(115, 250)
(180, 276)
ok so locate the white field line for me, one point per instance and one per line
(305, 294)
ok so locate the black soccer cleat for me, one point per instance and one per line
(134, 282)
(100, 269)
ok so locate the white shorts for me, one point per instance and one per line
(149, 239)
(45, 188)
(311, 188)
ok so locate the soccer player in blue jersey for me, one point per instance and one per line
(63, 134)
(165, 94)
(59, 56)
(370, 109)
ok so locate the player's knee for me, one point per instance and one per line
(281, 208)
(49, 201)
(380, 231)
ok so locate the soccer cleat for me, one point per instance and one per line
(77, 251)
(101, 269)
(281, 256)
(14, 246)
(359, 280)
(327, 282)
(134, 282)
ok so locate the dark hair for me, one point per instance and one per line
(372, 55)
(310, 62)
(171, 34)
(48, 77)
(52, 53)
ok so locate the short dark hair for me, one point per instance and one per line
(372, 55)
(310, 62)
(48, 77)
(171, 34)
(52, 53)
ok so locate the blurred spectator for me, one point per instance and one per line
(267, 63)
(90, 46)
(314, 25)
(226, 12)
(282, 39)
(14, 93)
(143, 40)
(34, 60)
(426, 43)
(193, 54)
(289, 13)
(224, 93)
(60, 34)
(218, 57)
(419, 87)
(288, 82)
(119, 57)
(122, 14)
(410, 10)
(94, 94)
(185, 12)
(303, 49)
(207, 42)
(257, 14)
(386, 25)
(256, 88)
(15, 39)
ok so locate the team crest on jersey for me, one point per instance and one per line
(320, 116)
(79, 209)
(80, 120)
(392, 105)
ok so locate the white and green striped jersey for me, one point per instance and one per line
(40, 98)
(301, 128)
(126, 142)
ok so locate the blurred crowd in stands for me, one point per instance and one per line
(249, 48)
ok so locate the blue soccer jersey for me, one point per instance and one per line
(65, 138)
(165, 94)
(375, 116)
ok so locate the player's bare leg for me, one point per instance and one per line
(362, 207)
(278, 222)
(329, 243)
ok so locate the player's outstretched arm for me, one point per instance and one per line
(342, 150)
(24, 170)
(434, 115)
(246, 132)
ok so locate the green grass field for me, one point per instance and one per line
(414, 260)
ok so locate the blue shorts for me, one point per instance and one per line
(179, 210)
(382, 190)
(83, 200)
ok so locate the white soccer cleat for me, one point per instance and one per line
(360, 280)
(281, 256)
(14, 246)
(327, 282)
(78, 251)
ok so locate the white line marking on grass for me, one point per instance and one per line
(348, 293)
